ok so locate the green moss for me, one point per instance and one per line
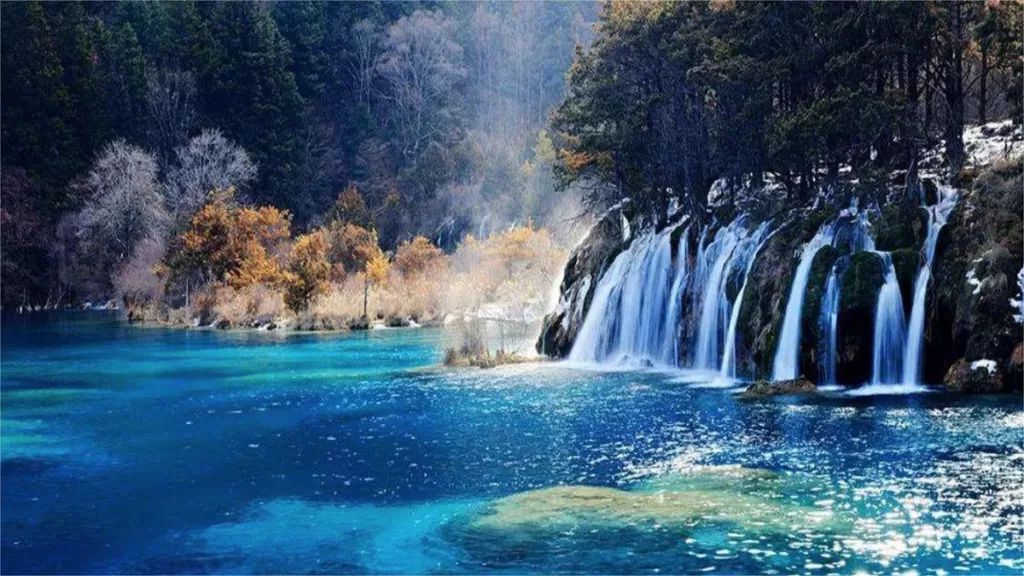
(907, 262)
(898, 226)
(810, 327)
(861, 282)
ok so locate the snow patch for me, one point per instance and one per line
(989, 365)
(972, 279)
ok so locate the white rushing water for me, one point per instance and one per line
(937, 217)
(714, 308)
(890, 328)
(787, 355)
(747, 258)
(628, 320)
(830, 322)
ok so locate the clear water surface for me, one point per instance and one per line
(149, 450)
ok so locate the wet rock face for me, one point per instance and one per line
(586, 264)
(979, 254)
(764, 303)
(858, 293)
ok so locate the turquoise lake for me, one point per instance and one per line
(151, 450)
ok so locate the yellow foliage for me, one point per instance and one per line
(377, 269)
(235, 245)
(308, 271)
(350, 248)
(544, 149)
(419, 256)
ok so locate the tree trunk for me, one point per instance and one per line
(983, 87)
(954, 90)
(366, 296)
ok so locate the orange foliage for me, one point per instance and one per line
(350, 248)
(419, 256)
(350, 208)
(308, 271)
(234, 245)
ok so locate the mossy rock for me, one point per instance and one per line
(810, 317)
(907, 263)
(858, 294)
(984, 238)
(899, 225)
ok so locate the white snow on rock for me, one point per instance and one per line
(972, 279)
(989, 365)
(988, 142)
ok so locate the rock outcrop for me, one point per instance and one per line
(764, 388)
(609, 236)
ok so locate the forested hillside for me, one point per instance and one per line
(675, 95)
(434, 114)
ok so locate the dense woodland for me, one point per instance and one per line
(128, 115)
(150, 150)
(673, 96)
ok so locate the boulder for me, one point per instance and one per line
(361, 323)
(396, 322)
(978, 377)
(764, 388)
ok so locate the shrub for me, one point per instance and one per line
(138, 283)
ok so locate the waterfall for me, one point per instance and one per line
(890, 328)
(628, 319)
(757, 240)
(714, 308)
(671, 352)
(937, 217)
(787, 355)
(830, 321)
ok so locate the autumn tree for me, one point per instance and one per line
(308, 271)
(418, 257)
(236, 245)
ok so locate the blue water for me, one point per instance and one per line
(150, 450)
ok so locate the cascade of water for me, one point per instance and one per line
(746, 258)
(890, 328)
(714, 308)
(787, 355)
(937, 217)
(670, 351)
(627, 319)
(830, 320)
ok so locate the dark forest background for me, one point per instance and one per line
(443, 119)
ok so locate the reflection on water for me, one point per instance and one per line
(155, 451)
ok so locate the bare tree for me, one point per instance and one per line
(208, 162)
(170, 101)
(365, 37)
(126, 202)
(421, 65)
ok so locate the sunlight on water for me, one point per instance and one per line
(301, 455)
